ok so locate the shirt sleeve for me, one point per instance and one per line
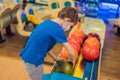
(59, 36)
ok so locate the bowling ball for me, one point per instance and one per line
(90, 53)
(79, 33)
(95, 35)
(64, 54)
(92, 41)
(76, 38)
(63, 67)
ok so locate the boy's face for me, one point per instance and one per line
(67, 24)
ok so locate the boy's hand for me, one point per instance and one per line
(73, 60)
(54, 57)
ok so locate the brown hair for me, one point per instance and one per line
(69, 12)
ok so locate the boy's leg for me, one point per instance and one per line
(35, 72)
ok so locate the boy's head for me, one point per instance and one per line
(69, 15)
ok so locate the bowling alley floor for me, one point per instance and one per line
(12, 68)
(111, 56)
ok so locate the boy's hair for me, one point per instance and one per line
(69, 12)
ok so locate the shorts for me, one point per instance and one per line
(34, 72)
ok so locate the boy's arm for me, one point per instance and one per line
(71, 52)
(53, 56)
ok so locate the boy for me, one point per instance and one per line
(43, 39)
